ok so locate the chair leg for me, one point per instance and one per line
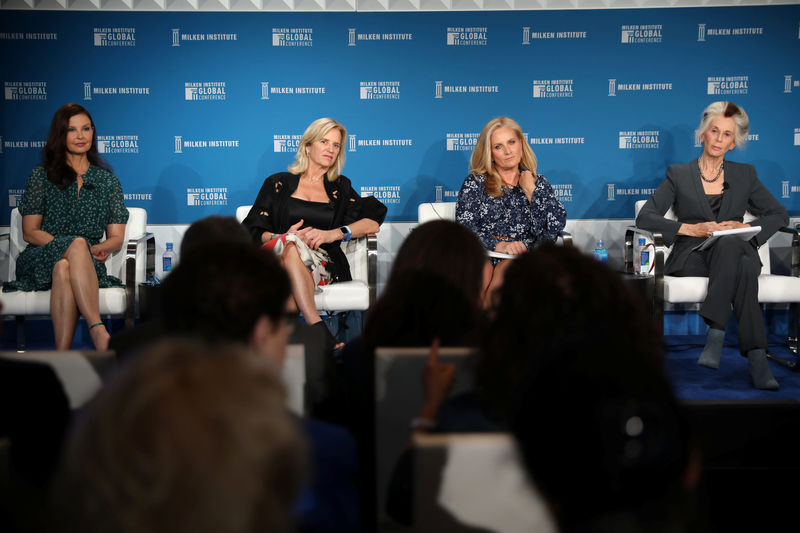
(794, 327)
(20, 333)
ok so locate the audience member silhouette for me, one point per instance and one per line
(232, 292)
(200, 234)
(187, 437)
(433, 292)
(574, 362)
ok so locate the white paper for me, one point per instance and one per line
(743, 233)
(501, 255)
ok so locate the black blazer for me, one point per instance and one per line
(270, 212)
(683, 191)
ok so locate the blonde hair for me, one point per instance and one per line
(314, 132)
(481, 161)
(728, 110)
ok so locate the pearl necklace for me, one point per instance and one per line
(700, 167)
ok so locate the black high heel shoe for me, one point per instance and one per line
(330, 340)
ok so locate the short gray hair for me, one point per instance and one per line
(726, 109)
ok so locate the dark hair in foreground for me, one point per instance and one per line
(54, 153)
(219, 291)
(575, 362)
(214, 228)
(184, 438)
(433, 290)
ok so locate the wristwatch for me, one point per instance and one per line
(346, 233)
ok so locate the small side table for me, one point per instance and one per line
(643, 287)
(149, 301)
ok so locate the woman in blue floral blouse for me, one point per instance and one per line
(504, 201)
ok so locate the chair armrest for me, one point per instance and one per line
(658, 267)
(5, 237)
(372, 266)
(566, 238)
(795, 233)
(658, 242)
(131, 283)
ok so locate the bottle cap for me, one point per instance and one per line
(169, 246)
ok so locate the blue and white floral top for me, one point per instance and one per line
(510, 217)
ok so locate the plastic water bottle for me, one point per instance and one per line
(644, 258)
(600, 252)
(168, 259)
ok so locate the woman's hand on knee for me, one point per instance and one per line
(99, 254)
(702, 229)
(511, 248)
(733, 224)
(314, 237)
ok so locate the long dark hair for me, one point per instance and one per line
(54, 153)
(571, 359)
(556, 300)
(445, 248)
(433, 290)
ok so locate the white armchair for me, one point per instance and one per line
(772, 288)
(355, 295)
(132, 264)
(447, 211)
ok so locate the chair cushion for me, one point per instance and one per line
(343, 296)
(771, 289)
(685, 289)
(112, 302)
(778, 289)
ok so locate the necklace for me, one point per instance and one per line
(510, 185)
(313, 180)
(700, 167)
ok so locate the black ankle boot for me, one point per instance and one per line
(760, 374)
(713, 349)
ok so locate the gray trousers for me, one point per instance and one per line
(732, 266)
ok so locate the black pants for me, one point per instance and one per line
(732, 266)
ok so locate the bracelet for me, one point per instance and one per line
(421, 422)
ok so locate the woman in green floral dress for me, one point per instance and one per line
(69, 201)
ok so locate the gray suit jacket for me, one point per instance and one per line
(683, 191)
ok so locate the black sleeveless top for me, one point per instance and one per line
(314, 214)
(715, 201)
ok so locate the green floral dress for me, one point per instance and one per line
(67, 215)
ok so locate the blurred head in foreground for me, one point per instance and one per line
(184, 438)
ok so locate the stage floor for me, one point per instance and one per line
(731, 381)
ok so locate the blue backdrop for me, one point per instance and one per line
(194, 110)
